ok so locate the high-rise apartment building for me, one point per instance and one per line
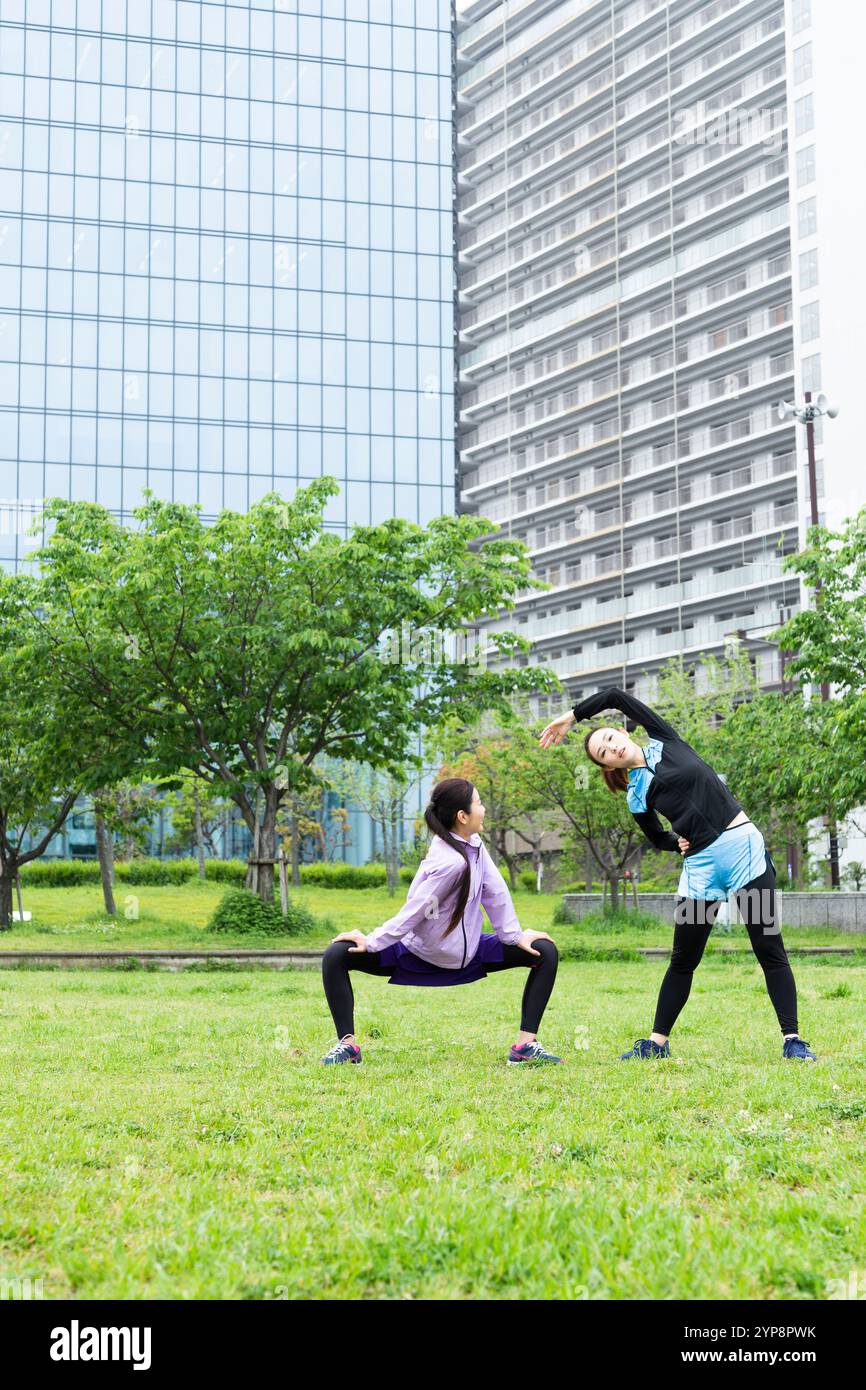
(639, 286)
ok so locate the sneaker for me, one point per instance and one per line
(797, 1048)
(343, 1052)
(645, 1047)
(530, 1052)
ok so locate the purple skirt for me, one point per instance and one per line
(410, 969)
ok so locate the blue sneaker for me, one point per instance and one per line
(645, 1047)
(343, 1052)
(529, 1053)
(795, 1047)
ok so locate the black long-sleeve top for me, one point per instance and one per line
(676, 782)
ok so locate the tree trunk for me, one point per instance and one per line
(267, 847)
(396, 820)
(284, 884)
(512, 870)
(252, 879)
(588, 867)
(386, 854)
(296, 851)
(199, 834)
(105, 854)
(6, 897)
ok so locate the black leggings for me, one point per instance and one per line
(694, 918)
(338, 960)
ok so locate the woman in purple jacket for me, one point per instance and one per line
(436, 938)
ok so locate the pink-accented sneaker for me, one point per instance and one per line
(343, 1052)
(529, 1053)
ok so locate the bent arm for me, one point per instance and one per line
(614, 698)
(655, 832)
(428, 901)
(497, 902)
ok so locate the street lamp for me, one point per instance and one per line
(806, 414)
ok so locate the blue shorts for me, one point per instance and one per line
(734, 858)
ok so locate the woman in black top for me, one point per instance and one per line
(723, 854)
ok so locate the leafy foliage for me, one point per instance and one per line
(242, 911)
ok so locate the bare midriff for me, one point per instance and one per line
(739, 818)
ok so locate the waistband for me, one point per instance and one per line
(740, 826)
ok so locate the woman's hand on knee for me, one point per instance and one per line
(527, 938)
(357, 936)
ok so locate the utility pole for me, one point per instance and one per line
(807, 414)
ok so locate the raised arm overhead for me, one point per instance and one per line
(611, 697)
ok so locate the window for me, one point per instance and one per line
(812, 372)
(801, 15)
(804, 114)
(810, 326)
(808, 269)
(807, 217)
(806, 166)
(803, 63)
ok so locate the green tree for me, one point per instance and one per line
(828, 640)
(777, 754)
(50, 751)
(197, 812)
(248, 648)
(488, 754)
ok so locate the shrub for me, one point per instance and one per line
(241, 911)
(74, 873)
(527, 879)
(225, 871)
(351, 875)
(155, 872)
(60, 873)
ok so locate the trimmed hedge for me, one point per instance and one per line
(350, 875)
(74, 873)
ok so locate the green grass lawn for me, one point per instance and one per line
(174, 1136)
(160, 917)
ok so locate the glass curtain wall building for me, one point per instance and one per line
(626, 323)
(226, 255)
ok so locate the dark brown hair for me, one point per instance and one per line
(615, 778)
(446, 799)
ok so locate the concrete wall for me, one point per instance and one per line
(842, 911)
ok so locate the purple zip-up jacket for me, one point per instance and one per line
(421, 923)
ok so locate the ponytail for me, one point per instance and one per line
(446, 799)
(615, 778)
